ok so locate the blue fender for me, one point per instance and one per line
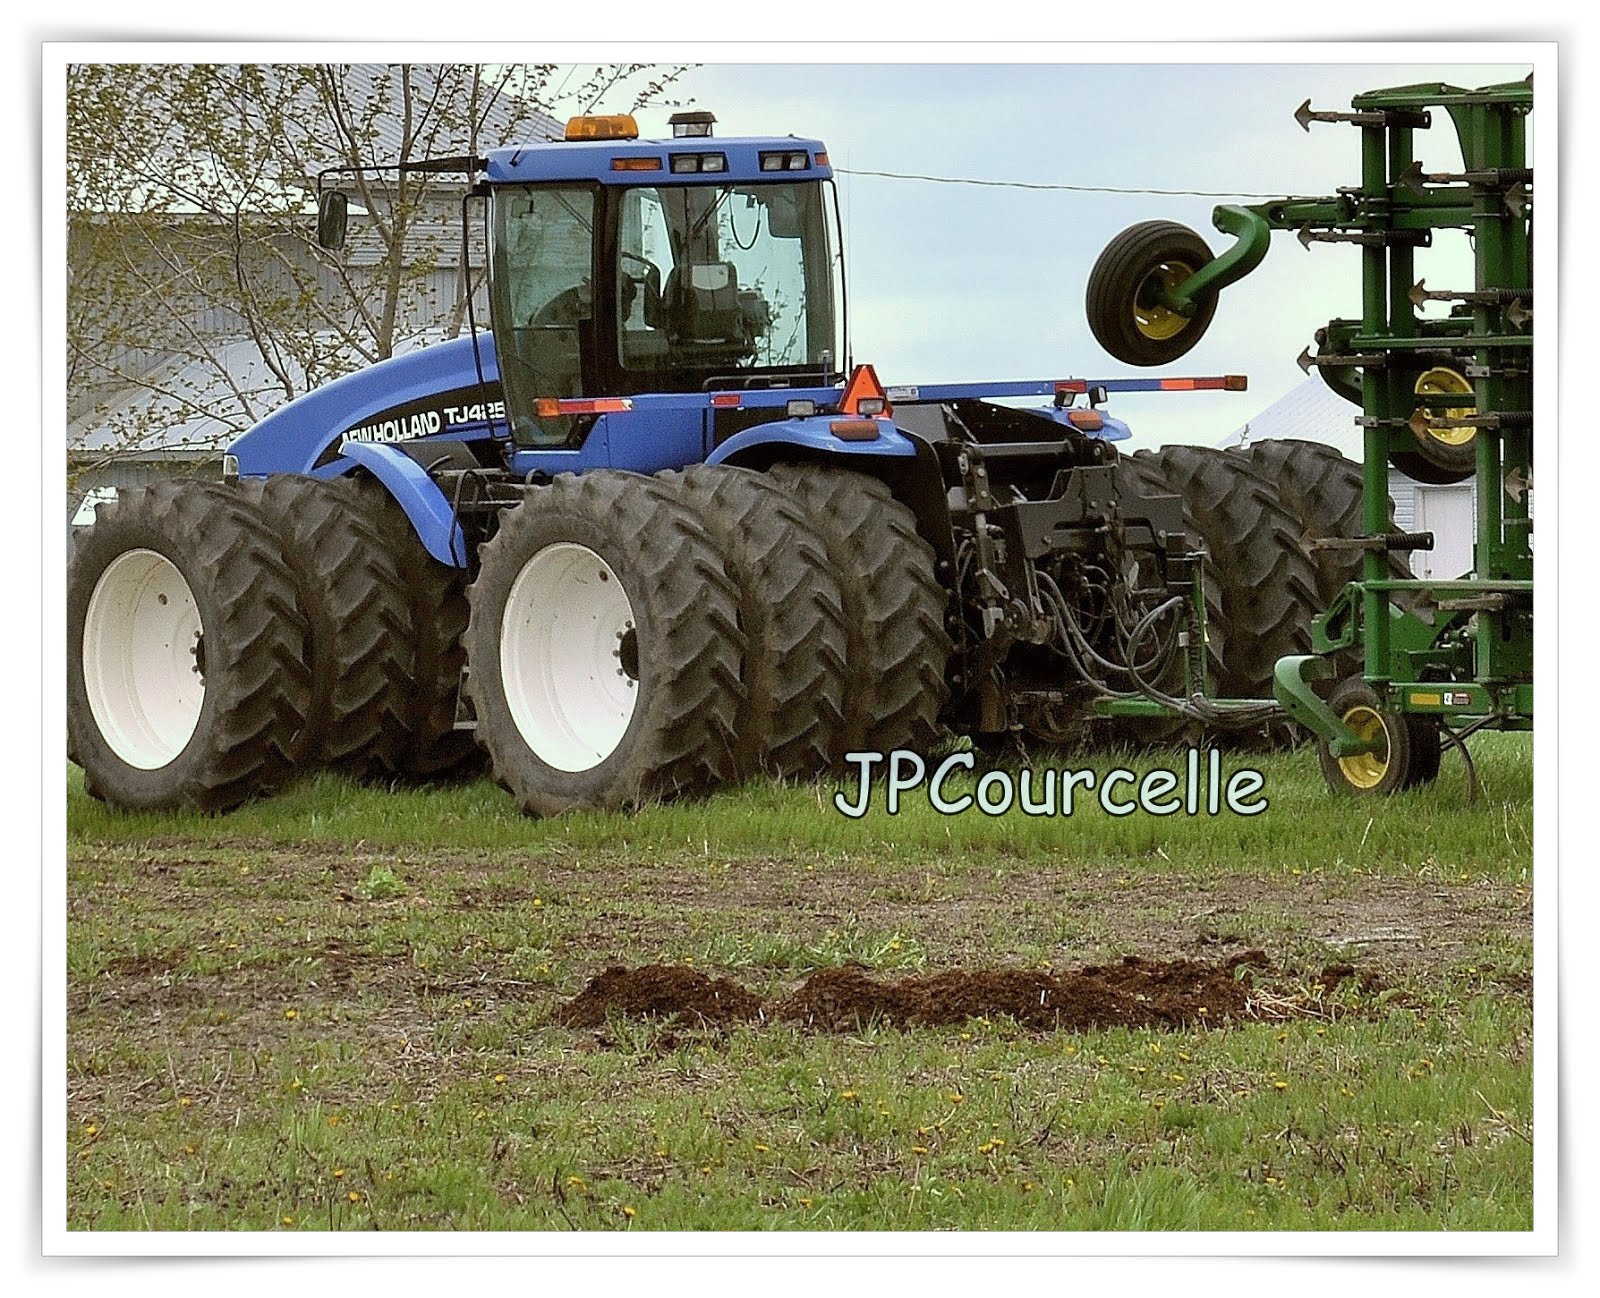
(761, 445)
(415, 492)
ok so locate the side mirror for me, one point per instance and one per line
(333, 214)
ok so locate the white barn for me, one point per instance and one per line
(1313, 412)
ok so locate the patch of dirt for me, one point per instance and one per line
(1133, 993)
(660, 991)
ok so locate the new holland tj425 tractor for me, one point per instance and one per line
(653, 533)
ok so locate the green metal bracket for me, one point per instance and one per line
(1253, 236)
(1291, 682)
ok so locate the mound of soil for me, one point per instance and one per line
(671, 992)
(1134, 993)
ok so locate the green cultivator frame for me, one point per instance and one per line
(1444, 398)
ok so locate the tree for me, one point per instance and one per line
(195, 284)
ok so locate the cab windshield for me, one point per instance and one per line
(712, 280)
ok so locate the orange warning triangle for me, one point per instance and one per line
(863, 383)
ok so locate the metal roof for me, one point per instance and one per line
(1312, 412)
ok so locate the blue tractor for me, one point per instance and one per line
(653, 532)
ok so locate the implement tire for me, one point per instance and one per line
(1266, 580)
(604, 648)
(187, 685)
(437, 598)
(355, 599)
(791, 721)
(896, 648)
(1120, 301)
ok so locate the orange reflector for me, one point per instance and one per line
(615, 126)
(863, 384)
(1073, 385)
(1226, 383)
(635, 164)
(1088, 420)
(725, 399)
(552, 407)
(854, 430)
(822, 159)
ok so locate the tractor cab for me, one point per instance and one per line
(621, 266)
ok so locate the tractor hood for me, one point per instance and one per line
(432, 392)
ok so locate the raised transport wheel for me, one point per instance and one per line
(1123, 302)
(1442, 455)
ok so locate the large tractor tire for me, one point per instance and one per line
(437, 599)
(1136, 267)
(791, 612)
(1266, 580)
(355, 600)
(186, 680)
(897, 648)
(1323, 492)
(604, 648)
(1142, 473)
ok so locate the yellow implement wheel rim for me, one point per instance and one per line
(1442, 381)
(1366, 770)
(1155, 321)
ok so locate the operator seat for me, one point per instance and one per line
(701, 304)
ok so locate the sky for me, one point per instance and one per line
(962, 282)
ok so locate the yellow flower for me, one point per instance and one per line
(629, 1211)
(184, 1101)
(499, 1077)
(1026, 1186)
(291, 1014)
(537, 902)
(761, 1149)
(849, 1095)
(576, 1182)
(1280, 1085)
(919, 1149)
(288, 1221)
(956, 1097)
(355, 1196)
(338, 1172)
(805, 1203)
(91, 1130)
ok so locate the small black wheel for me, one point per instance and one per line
(1442, 455)
(1406, 753)
(1140, 264)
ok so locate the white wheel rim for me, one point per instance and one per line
(569, 657)
(141, 664)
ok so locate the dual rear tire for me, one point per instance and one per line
(635, 639)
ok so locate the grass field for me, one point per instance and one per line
(331, 1010)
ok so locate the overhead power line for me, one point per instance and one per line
(1031, 184)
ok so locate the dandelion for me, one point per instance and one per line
(499, 1078)
(1158, 1103)
(986, 1147)
(1280, 1085)
(1175, 1077)
(91, 1130)
(919, 1149)
(629, 1211)
(188, 1149)
(338, 1172)
(538, 902)
(1155, 1047)
(661, 1153)
(1027, 1186)
(956, 1097)
(288, 1221)
(296, 1084)
(576, 1182)
(291, 1014)
(1347, 1093)
(805, 1203)
(705, 1171)
(355, 1196)
(1183, 1055)
(849, 1095)
(184, 1101)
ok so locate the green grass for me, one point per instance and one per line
(347, 991)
